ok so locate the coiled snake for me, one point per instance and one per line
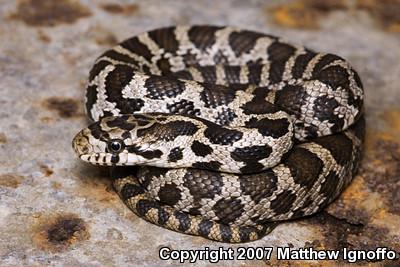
(233, 130)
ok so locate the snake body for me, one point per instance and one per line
(231, 131)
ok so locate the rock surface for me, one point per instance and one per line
(58, 211)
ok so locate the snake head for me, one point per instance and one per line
(114, 140)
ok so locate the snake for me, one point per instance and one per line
(221, 132)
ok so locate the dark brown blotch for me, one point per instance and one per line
(183, 107)
(175, 154)
(208, 73)
(169, 194)
(195, 210)
(163, 216)
(202, 183)
(232, 74)
(252, 167)
(258, 186)
(126, 135)
(324, 108)
(331, 187)
(65, 107)
(244, 233)
(97, 68)
(143, 206)
(57, 233)
(339, 146)
(165, 67)
(334, 76)
(65, 229)
(91, 98)
(209, 165)
(182, 74)
(148, 154)
(226, 232)
(216, 95)
(258, 105)
(43, 36)
(103, 36)
(203, 37)
(184, 220)
(134, 45)
(255, 73)
(121, 122)
(11, 180)
(165, 38)
(267, 127)
(221, 135)
(205, 227)
(112, 54)
(228, 210)
(291, 99)
(3, 138)
(301, 63)
(324, 61)
(46, 170)
(283, 202)
(200, 149)
(304, 166)
(115, 81)
(244, 41)
(253, 153)
(278, 54)
(278, 51)
(170, 130)
(159, 87)
(49, 13)
(97, 131)
(131, 190)
(115, 8)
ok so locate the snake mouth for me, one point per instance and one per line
(97, 158)
(109, 159)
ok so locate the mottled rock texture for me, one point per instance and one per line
(58, 211)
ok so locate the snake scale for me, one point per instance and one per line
(229, 131)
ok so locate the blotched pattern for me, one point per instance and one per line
(217, 108)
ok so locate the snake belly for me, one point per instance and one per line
(177, 102)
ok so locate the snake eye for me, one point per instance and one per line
(115, 146)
